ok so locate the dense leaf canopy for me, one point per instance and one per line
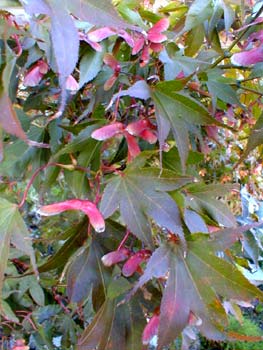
(128, 130)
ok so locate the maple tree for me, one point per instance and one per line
(126, 130)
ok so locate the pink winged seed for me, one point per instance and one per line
(111, 61)
(133, 147)
(156, 37)
(137, 127)
(108, 131)
(33, 77)
(141, 128)
(138, 45)
(100, 34)
(87, 207)
(246, 58)
(35, 74)
(154, 34)
(72, 84)
(132, 264)
(115, 257)
(105, 32)
(148, 136)
(150, 329)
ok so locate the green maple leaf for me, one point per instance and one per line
(180, 113)
(201, 198)
(87, 273)
(140, 194)
(12, 230)
(196, 285)
(115, 326)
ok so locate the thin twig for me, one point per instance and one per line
(236, 41)
(251, 90)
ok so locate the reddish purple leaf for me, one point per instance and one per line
(154, 34)
(43, 66)
(151, 329)
(89, 208)
(116, 256)
(152, 40)
(8, 118)
(108, 131)
(105, 32)
(132, 264)
(141, 129)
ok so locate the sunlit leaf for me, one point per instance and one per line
(201, 197)
(97, 12)
(255, 138)
(199, 11)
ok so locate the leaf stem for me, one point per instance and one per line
(43, 167)
(232, 66)
(124, 239)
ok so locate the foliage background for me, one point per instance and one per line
(145, 114)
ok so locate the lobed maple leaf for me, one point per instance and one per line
(140, 195)
(195, 287)
(115, 326)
